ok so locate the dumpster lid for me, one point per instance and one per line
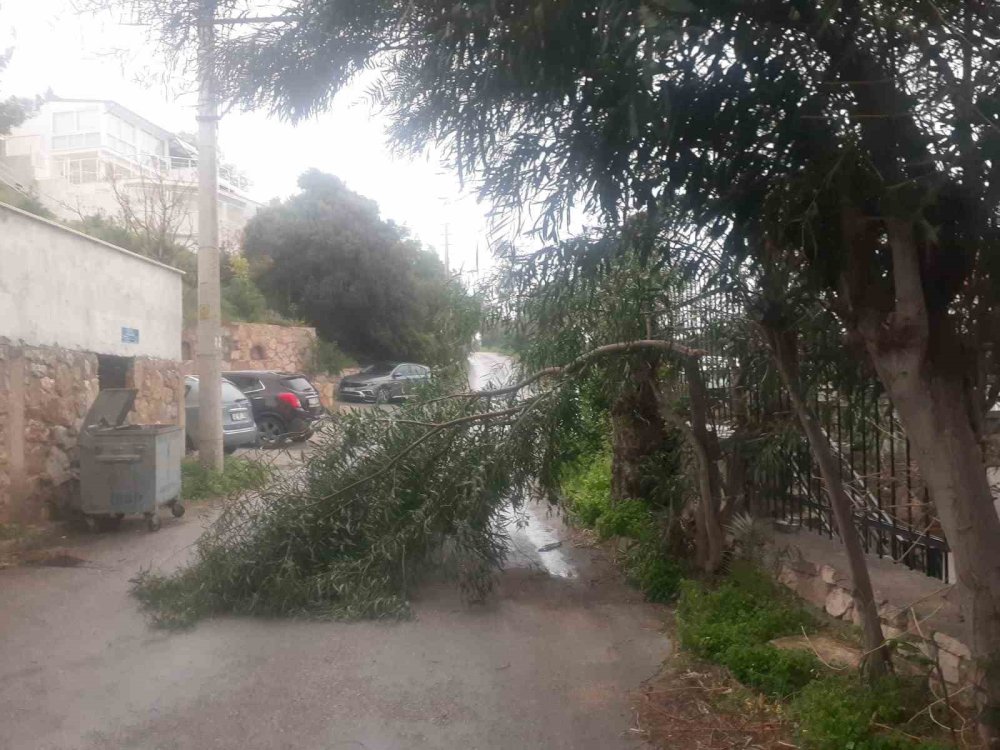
(110, 408)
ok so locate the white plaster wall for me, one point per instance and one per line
(61, 288)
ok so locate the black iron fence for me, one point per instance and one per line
(892, 511)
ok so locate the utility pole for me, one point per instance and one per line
(209, 293)
(447, 250)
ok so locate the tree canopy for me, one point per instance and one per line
(326, 256)
(13, 110)
(851, 146)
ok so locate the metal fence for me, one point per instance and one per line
(892, 511)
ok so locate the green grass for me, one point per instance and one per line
(840, 712)
(733, 622)
(238, 475)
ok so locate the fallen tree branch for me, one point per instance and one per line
(416, 443)
(584, 360)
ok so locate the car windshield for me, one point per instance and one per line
(298, 384)
(378, 369)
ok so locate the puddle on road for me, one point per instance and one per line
(535, 534)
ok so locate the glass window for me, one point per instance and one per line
(88, 119)
(63, 122)
(231, 393)
(379, 369)
(298, 384)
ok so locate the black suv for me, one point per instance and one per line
(384, 382)
(285, 404)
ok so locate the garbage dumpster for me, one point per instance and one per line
(127, 469)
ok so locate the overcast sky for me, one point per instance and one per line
(74, 55)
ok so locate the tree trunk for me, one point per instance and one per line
(637, 432)
(921, 366)
(783, 347)
(709, 537)
(932, 410)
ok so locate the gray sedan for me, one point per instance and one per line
(384, 382)
(238, 427)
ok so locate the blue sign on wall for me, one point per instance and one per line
(130, 335)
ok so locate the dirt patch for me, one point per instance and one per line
(694, 705)
(835, 654)
(701, 707)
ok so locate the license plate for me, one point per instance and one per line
(312, 401)
(238, 415)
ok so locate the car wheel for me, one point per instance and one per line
(382, 396)
(271, 430)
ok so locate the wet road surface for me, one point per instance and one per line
(548, 662)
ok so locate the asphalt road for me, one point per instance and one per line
(549, 662)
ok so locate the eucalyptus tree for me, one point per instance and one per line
(872, 127)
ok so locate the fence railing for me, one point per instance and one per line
(892, 511)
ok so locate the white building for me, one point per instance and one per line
(77, 315)
(88, 156)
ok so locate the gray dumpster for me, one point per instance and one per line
(127, 469)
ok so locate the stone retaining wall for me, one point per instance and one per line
(45, 393)
(260, 346)
(257, 346)
(831, 590)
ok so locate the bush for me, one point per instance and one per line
(327, 357)
(238, 474)
(628, 518)
(657, 576)
(586, 484)
(838, 712)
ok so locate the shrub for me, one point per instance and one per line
(657, 576)
(838, 712)
(326, 356)
(586, 484)
(238, 474)
(629, 518)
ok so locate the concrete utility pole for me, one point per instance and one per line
(209, 294)
(447, 249)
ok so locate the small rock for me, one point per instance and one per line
(839, 602)
(952, 645)
(829, 574)
(950, 667)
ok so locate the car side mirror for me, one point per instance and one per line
(396, 376)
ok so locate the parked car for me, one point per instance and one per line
(285, 404)
(384, 381)
(238, 427)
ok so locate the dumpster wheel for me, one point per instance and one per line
(177, 509)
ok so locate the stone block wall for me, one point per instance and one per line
(45, 393)
(939, 637)
(257, 346)
(260, 346)
(160, 396)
